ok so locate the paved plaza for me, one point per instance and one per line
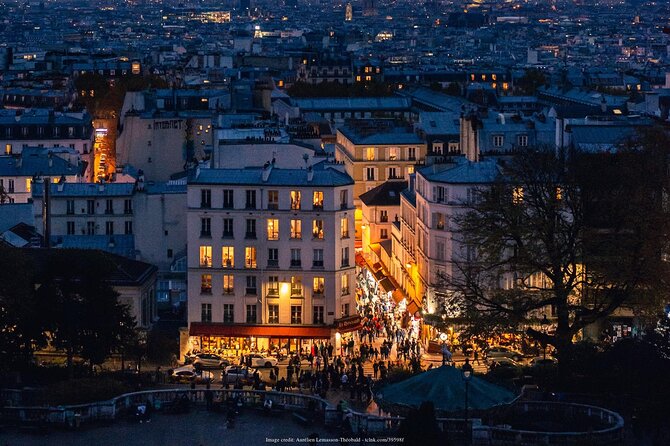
(198, 428)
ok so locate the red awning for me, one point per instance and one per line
(261, 331)
(360, 260)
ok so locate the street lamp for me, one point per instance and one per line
(443, 338)
(545, 324)
(467, 375)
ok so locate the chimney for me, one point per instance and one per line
(310, 174)
(267, 168)
(46, 214)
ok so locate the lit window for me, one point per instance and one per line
(370, 154)
(494, 77)
(393, 153)
(345, 284)
(273, 229)
(517, 195)
(227, 257)
(296, 286)
(28, 184)
(344, 227)
(250, 257)
(559, 193)
(296, 229)
(228, 283)
(318, 286)
(206, 283)
(295, 199)
(205, 256)
(318, 199)
(317, 229)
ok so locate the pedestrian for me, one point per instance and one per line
(375, 368)
(476, 357)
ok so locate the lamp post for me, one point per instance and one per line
(467, 375)
(443, 338)
(545, 324)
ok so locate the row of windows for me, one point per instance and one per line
(272, 226)
(252, 313)
(499, 140)
(91, 228)
(294, 288)
(42, 131)
(251, 261)
(250, 196)
(8, 147)
(389, 153)
(372, 174)
(91, 206)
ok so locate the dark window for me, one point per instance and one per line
(251, 314)
(205, 198)
(128, 227)
(228, 227)
(296, 314)
(251, 228)
(205, 227)
(90, 207)
(128, 207)
(251, 199)
(109, 228)
(318, 315)
(228, 202)
(228, 313)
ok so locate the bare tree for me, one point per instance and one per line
(583, 234)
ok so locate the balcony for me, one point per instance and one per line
(345, 234)
(205, 234)
(273, 263)
(227, 234)
(250, 205)
(227, 205)
(108, 212)
(318, 206)
(273, 292)
(345, 291)
(345, 262)
(317, 264)
(250, 291)
(228, 290)
(251, 235)
(344, 206)
(205, 290)
(384, 219)
(296, 263)
(273, 206)
(203, 205)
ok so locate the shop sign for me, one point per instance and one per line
(348, 323)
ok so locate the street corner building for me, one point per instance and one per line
(270, 259)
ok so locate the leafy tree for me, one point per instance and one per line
(531, 81)
(21, 325)
(583, 234)
(4, 196)
(85, 317)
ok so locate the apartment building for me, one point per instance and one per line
(270, 257)
(374, 151)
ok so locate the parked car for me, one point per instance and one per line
(262, 361)
(209, 360)
(237, 373)
(505, 370)
(503, 360)
(542, 362)
(188, 373)
(503, 352)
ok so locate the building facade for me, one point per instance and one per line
(270, 257)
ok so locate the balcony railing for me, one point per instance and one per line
(203, 205)
(345, 291)
(273, 206)
(250, 291)
(205, 290)
(227, 234)
(205, 234)
(249, 235)
(296, 263)
(273, 263)
(317, 263)
(384, 218)
(345, 262)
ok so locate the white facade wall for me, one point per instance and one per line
(333, 297)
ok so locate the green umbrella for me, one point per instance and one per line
(445, 387)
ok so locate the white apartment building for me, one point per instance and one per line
(441, 191)
(270, 257)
